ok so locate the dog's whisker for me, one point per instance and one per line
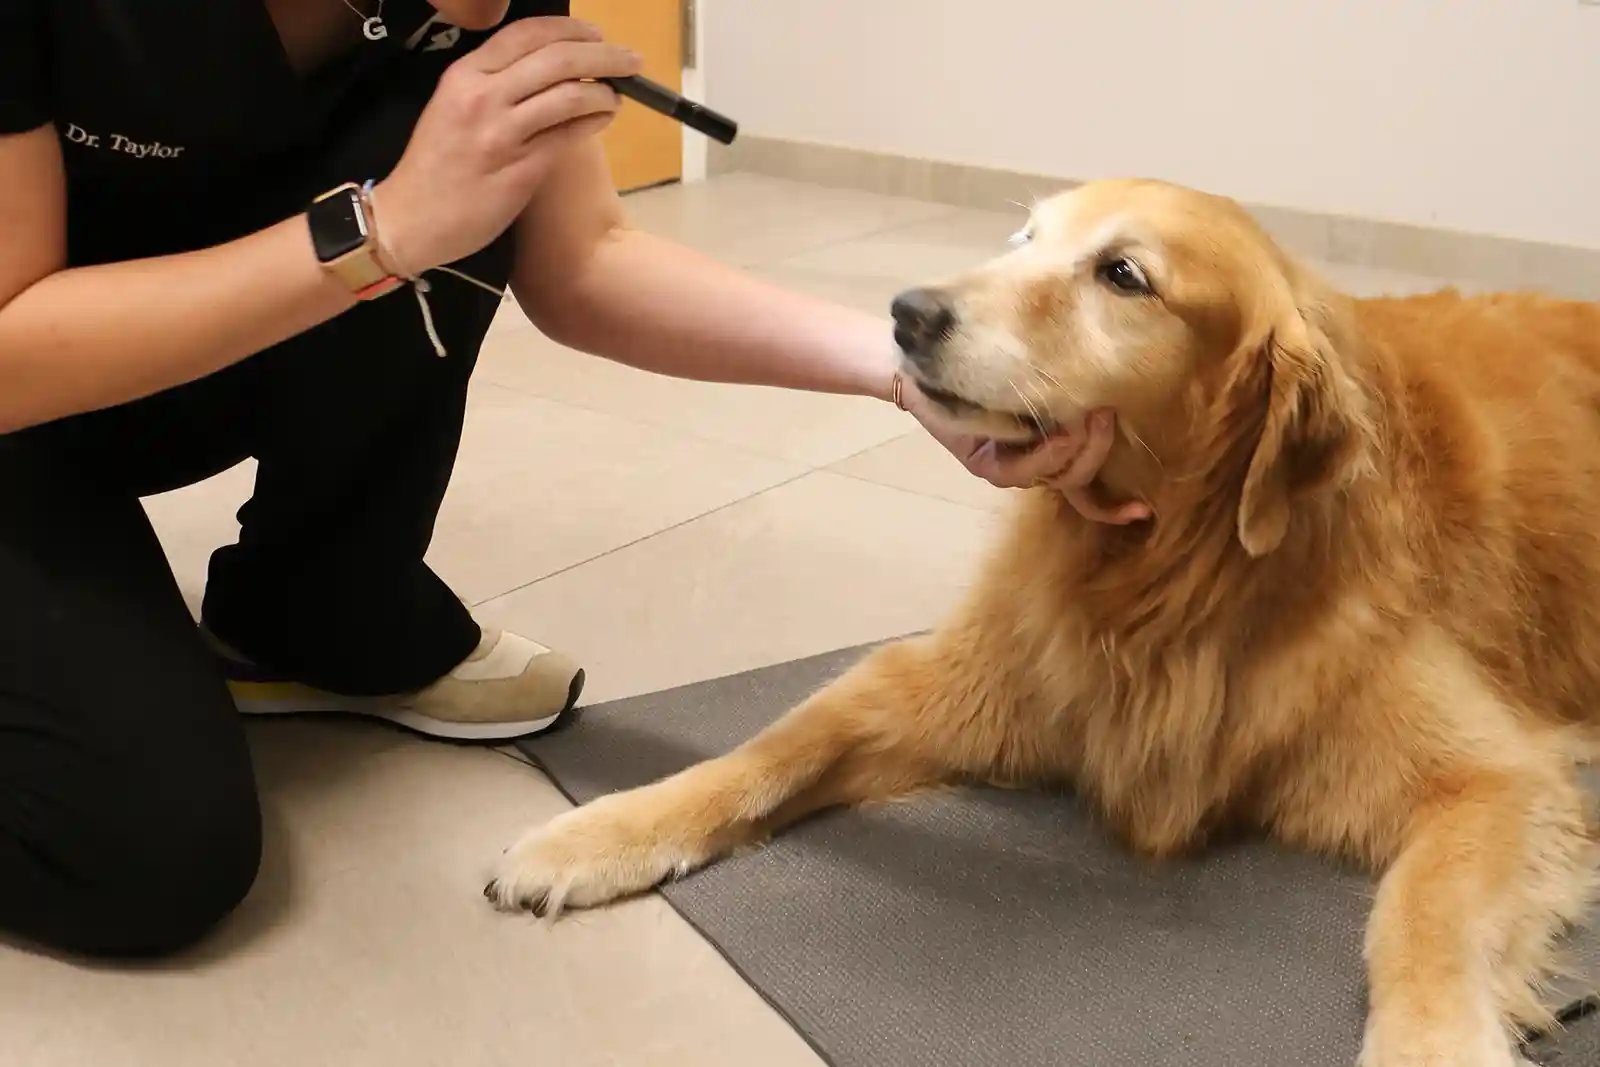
(1038, 374)
(1133, 436)
(1035, 371)
(1033, 411)
(1044, 375)
(1044, 401)
(1066, 392)
(1017, 390)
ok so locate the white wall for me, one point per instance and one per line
(1474, 115)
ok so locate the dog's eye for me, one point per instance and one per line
(1124, 275)
(1021, 237)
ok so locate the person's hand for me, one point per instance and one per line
(500, 119)
(1068, 462)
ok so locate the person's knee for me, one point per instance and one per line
(201, 873)
(169, 881)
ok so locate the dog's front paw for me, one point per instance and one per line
(594, 854)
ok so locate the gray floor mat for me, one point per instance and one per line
(1579, 1046)
(980, 927)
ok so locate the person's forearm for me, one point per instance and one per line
(656, 305)
(92, 337)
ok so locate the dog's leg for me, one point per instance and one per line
(859, 739)
(1494, 864)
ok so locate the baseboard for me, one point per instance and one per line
(1496, 262)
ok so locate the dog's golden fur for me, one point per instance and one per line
(1365, 620)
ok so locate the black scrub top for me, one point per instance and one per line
(182, 124)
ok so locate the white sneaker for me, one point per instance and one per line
(509, 687)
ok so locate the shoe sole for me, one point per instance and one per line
(289, 698)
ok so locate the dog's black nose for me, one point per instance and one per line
(922, 318)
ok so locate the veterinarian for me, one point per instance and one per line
(195, 270)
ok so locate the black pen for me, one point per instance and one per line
(659, 98)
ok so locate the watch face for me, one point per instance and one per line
(337, 225)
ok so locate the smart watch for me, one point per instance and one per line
(345, 237)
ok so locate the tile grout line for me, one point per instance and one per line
(510, 751)
(944, 211)
(829, 469)
(645, 537)
(901, 490)
(940, 211)
(833, 468)
(863, 451)
(859, 479)
(676, 431)
(880, 231)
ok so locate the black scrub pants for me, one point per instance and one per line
(128, 815)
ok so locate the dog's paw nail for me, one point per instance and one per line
(492, 890)
(537, 904)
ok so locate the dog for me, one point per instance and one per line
(1364, 618)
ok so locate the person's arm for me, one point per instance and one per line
(75, 340)
(589, 280)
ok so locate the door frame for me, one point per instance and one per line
(696, 149)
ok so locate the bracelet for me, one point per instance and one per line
(897, 392)
(419, 285)
(382, 287)
(382, 253)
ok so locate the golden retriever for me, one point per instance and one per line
(1365, 618)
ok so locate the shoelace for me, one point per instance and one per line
(421, 287)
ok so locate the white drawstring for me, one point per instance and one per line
(421, 287)
(485, 286)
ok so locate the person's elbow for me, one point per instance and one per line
(17, 402)
(18, 411)
(571, 311)
(557, 311)
(571, 298)
(23, 403)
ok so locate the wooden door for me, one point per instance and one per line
(644, 148)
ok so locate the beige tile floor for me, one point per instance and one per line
(666, 532)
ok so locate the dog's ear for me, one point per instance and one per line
(1314, 432)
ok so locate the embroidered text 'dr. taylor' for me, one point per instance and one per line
(76, 134)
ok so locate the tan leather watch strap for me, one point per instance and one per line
(346, 239)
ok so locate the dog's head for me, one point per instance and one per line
(1168, 305)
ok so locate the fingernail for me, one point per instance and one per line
(1102, 420)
